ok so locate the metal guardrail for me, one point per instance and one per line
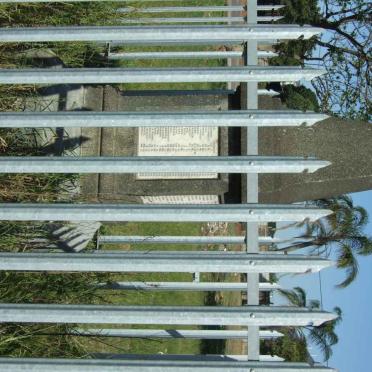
(231, 20)
(140, 35)
(127, 239)
(162, 164)
(165, 315)
(184, 286)
(201, 334)
(89, 119)
(109, 365)
(251, 262)
(213, 54)
(199, 8)
(251, 73)
(154, 261)
(160, 213)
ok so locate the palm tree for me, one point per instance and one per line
(342, 231)
(323, 336)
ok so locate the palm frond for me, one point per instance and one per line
(295, 297)
(347, 260)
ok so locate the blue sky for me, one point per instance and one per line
(352, 354)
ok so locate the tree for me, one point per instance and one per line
(299, 98)
(290, 346)
(323, 336)
(343, 50)
(342, 231)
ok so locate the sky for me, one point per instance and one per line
(353, 352)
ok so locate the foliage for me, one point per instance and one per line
(300, 98)
(45, 287)
(45, 340)
(323, 336)
(291, 347)
(53, 14)
(344, 228)
(37, 341)
(29, 187)
(74, 54)
(343, 50)
(19, 236)
(56, 14)
(341, 232)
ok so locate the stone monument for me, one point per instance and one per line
(187, 141)
(346, 144)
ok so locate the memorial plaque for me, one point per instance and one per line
(177, 141)
(181, 199)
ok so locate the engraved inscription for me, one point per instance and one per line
(177, 141)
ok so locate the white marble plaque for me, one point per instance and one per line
(181, 199)
(177, 141)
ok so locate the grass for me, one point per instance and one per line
(16, 340)
(173, 62)
(77, 54)
(39, 340)
(29, 187)
(174, 346)
(54, 340)
(74, 54)
(45, 340)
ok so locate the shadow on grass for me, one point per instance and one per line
(212, 346)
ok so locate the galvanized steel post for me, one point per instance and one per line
(156, 75)
(164, 261)
(206, 20)
(200, 334)
(86, 119)
(157, 34)
(181, 315)
(162, 164)
(179, 239)
(184, 286)
(159, 213)
(107, 365)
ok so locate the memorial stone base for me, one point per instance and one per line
(156, 188)
(347, 145)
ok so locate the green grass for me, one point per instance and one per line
(74, 54)
(45, 340)
(28, 187)
(163, 63)
(154, 297)
(80, 54)
(42, 340)
(174, 346)
(52, 340)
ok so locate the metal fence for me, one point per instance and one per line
(252, 262)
